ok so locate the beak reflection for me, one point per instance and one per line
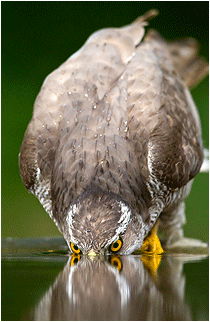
(124, 284)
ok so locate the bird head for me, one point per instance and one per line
(99, 223)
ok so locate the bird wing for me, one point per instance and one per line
(162, 114)
(152, 114)
(65, 100)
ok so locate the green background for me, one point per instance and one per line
(36, 38)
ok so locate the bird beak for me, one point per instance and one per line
(92, 254)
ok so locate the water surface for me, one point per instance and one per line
(41, 281)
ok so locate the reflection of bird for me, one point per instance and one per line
(95, 290)
(115, 139)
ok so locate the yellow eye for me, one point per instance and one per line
(116, 262)
(75, 249)
(116, 246)
(74, 259)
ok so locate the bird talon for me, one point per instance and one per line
(151, 244)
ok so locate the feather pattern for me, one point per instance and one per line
(115, 117)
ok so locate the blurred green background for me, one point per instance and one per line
(36, 38)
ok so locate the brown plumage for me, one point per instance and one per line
(115, 127)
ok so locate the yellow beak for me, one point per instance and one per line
(92, 254)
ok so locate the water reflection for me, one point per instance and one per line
(122, 288)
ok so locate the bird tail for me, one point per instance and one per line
(136, 29)
(184, 54)
(191, 67)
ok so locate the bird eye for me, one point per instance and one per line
(74, 259)
(75, 249)
(116, 246)
(116, 262)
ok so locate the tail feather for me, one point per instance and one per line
(184, 54)
(136, 29)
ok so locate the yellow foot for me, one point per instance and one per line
(151, 244)
(152, 249)
(152, 262)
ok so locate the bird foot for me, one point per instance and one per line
(152, 249)
(152, 262)
(151, 244)
(188, 245)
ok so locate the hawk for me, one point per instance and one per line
(115, 141)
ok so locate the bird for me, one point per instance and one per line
(115, 141)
